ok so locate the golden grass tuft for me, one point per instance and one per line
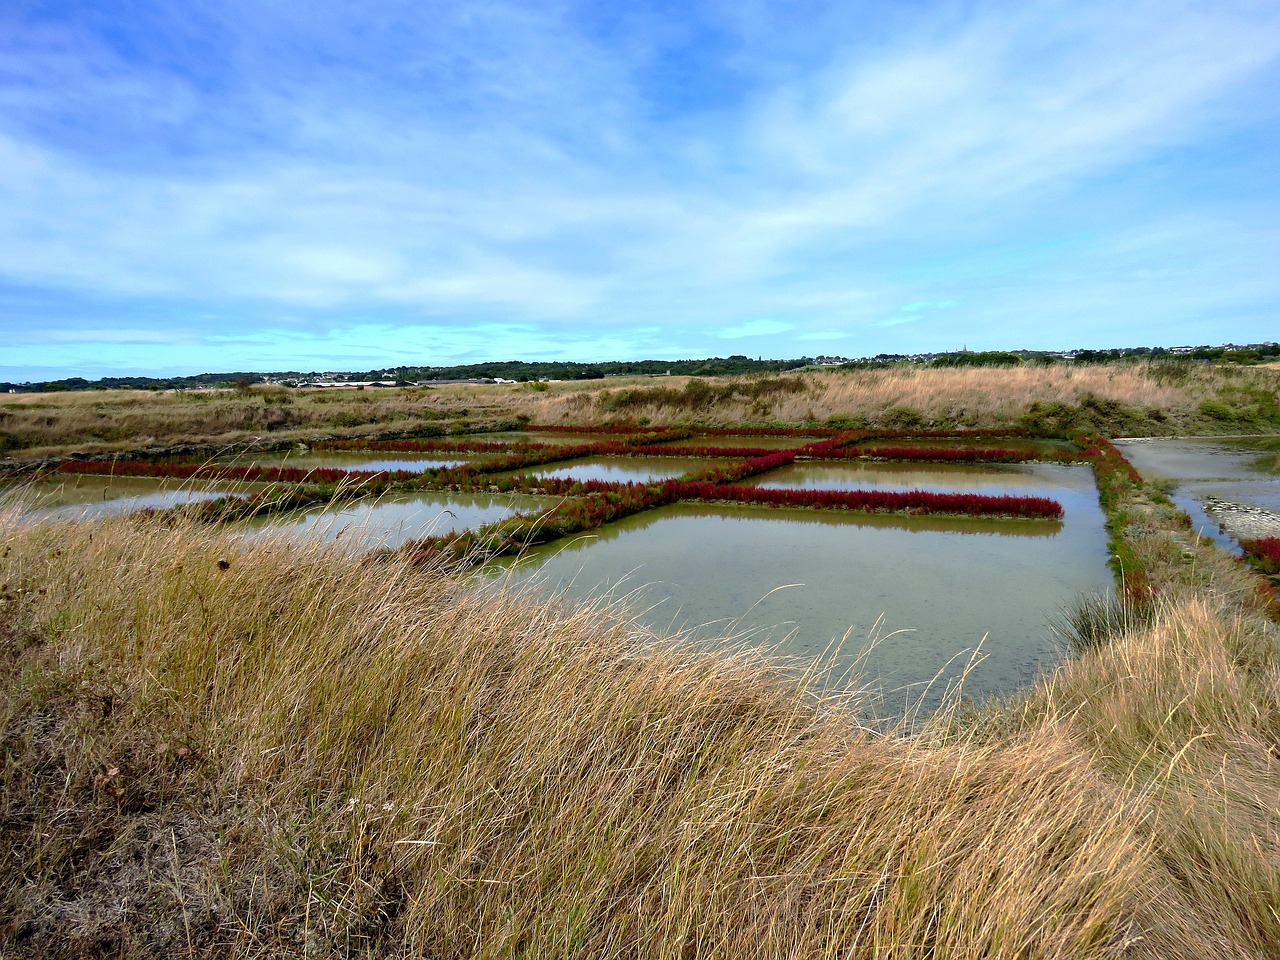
(385, 761)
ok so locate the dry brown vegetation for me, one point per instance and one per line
(1147, 399)
(44, 423)
(213, 747)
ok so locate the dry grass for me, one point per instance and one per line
(221, 748)
(250, 750)
(1149, 398)
(1135, 399)
(1001, 395)
(42, 423)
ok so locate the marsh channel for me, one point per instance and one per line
(1229, 486)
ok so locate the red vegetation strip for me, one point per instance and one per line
(858, 436)
(1268, 547)
(1263, 553)
(1106, 458)
(914, 501)
(220, 471)
(604, 502)
(733, 472)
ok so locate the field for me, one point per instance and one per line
(230, 748)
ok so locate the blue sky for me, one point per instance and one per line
(189, 187)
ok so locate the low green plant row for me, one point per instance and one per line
(1115, 478)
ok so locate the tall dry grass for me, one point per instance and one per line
(217, 747)
(1154, 398)
(35, 424)
(1150, 398)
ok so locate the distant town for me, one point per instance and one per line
(521, 371)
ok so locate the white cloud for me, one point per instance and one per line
(497, 162)
(820, 336)
(754, 328)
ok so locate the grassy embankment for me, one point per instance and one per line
(1143, 399)
(41, 424)
(217, 747)
(1155, 399)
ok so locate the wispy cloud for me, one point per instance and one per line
(561, 180)
(754, 328)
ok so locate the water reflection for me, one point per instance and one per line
(1001, 479)
(1200, 458)
(625, 469)
(392, 520)
(801, 579)
(73, 497)
(347, 460)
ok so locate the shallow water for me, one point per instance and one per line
(82, 497)
(625, 469)
(1003, 479)
(1196, 458)
(932, 589)
(351, 460)
(1241, 470)
(394, 519)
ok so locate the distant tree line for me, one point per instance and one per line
(524, 371)
(1253, 353)
(980, 358)
(519, 370)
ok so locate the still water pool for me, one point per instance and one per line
(1056, 480)
(626, 469)
(929, 590)
(71, 497)
(360, 461)
(393, 520)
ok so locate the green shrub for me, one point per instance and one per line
(1217, 410)
(903, 417)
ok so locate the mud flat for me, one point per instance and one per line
(1230, 487)
(1242, 520)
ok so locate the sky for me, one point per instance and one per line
(265, 185)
